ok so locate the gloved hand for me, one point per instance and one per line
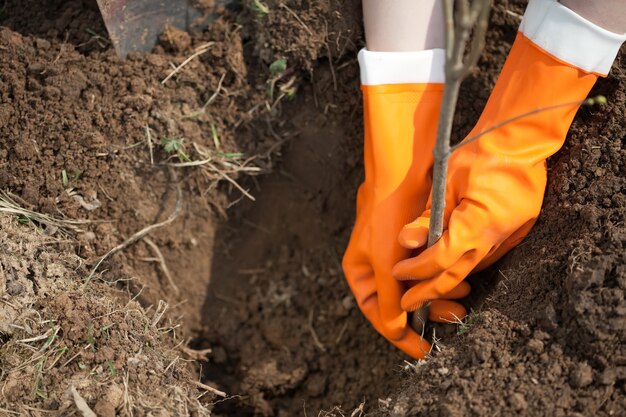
(495, 185)
(400, 127)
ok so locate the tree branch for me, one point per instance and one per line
(588, 101)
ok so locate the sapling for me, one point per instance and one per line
(279, 72)
(459, 25)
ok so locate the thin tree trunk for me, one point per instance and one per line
(459, 25)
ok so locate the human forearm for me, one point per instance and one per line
(608, 14)
(403, 25)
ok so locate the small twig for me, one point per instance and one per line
(36, 338)
(316, 340)
(159, 313)
(9, 205)
(61, 50)
(232, 181)
(189, 163)
(161, 261)
(70, 360)
(332, 69)
(360, 409)
(216, 93)
(523, 115)
(140, 234)
(209, 388)
(81, 404)
(342, 331)
(197, 355)
(481, 9)
(284, 6)
(511, 13)
(149, 140)
(257, 227)
(172, 363)
(419, 318)
(199, 51)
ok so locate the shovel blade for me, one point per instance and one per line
(135, 25)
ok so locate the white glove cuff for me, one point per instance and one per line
(569, 37)
(379, 68)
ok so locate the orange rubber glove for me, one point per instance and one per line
(400, 112)
(495, 185)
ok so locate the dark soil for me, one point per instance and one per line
(260, 283)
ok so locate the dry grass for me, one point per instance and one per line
(10, 204)
(69, 351)
(140, 235)
(199, 51)
(216, 166)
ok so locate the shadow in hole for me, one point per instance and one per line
(268, 264)
(279, 315)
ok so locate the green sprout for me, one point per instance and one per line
(111, 368)
(173, 145)
(465, 325)
(230, 155)
(289, 88)
(66, 178)
(39, 392)
(277, 71)
(600, 100)
(260, 8)
(278, 67)
(51, 338)
(21, 219)
(105, 330)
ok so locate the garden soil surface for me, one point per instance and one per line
(239, 284)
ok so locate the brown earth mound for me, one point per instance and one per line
(89, 136)
(64, 345)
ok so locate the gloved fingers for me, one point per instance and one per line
(446, 311)
(515, 239)
(460, 291)
(411, 343)
(415, 234)
(435, 288)
(376, 294)
(429, 263)
(371, 310)
(393, 317)
(468, 222)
